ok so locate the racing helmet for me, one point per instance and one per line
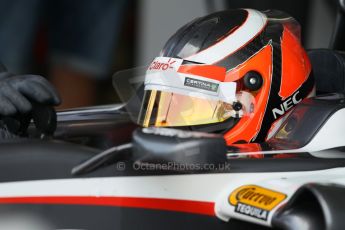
(235, 72)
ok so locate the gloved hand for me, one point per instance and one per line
(17, 92)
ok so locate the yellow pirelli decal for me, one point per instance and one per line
(256, 196)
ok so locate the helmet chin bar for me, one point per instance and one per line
(221, 127)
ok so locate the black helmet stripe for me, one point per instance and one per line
(241, 36)
(203, 33)
(242, 54)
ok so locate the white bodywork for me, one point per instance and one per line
(215, 188)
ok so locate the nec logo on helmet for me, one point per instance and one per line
(286, 105)
(157, 65)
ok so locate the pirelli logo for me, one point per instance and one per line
(200, 84)
(255, 201)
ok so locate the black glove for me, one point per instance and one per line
(18, 92)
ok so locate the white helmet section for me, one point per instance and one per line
(163, 75)
(253, 25)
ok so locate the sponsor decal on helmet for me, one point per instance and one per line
(200, 84)
(164, 64)
(286, 105)
(255, 201)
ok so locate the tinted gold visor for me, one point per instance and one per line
(167, 109)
